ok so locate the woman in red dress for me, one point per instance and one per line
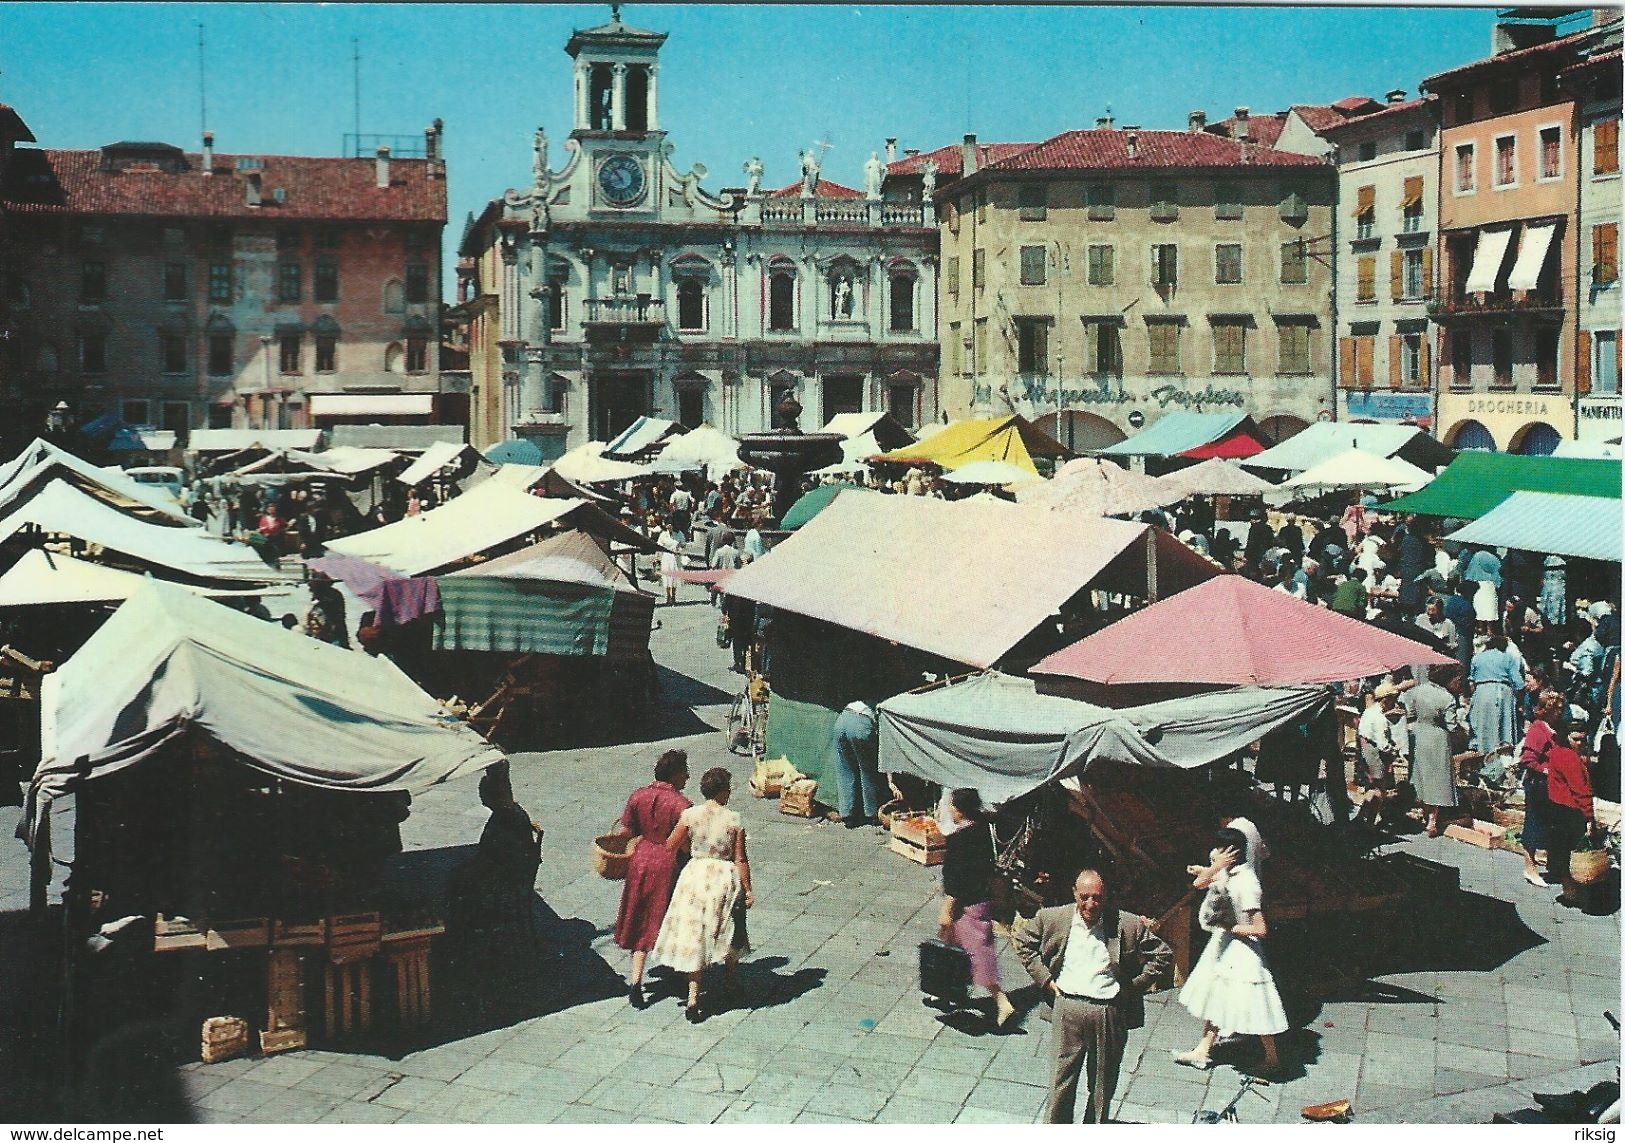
(650, 816)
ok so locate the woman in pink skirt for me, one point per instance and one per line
(967, 886)
(650, 816)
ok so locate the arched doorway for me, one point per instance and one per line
(1471, 435)
(1080, 431)
(1278, 428)
(1538, 439)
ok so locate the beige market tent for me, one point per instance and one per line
(43, 577)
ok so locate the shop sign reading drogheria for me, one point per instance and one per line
(1039, 392)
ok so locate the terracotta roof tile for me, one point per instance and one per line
(824, 189)
(1319, 116)
(74, 182)
(1107, 149)
(1520, 56)
(1388, 109)
(947, 159)
(1264, 129)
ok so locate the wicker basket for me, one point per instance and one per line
(612, 854)
(1589, 867)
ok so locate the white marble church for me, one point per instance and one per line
(615, 285)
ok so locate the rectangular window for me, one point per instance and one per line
(956, 350)
(1294, 203)
(900, 404)
(325, 281)
(1366, 279)
(1032, 346)
(417, 283)
(1605, 147)
(177, 418)
(1294, 263)
(1164, 202)
(135, 411)
(1506, 161)
(979, 362)
(1295, 347)
(1605, 254)
(1033, 202)
(1108, 339)
(290, 281)
(1227, 200)
(1466, 169)
(554, 296)
(417, 355)
(1462, 107)
(1230, 348)
(781, 302)
(1410, 361)
(172, 348)
(1551, 152)
(220, 283)
(288, 351)
(1501, 355)
(1368, 151)
(978, 268)
(1165, 265)
(1102, 272)
(1415, 140)
(220, 355)
(1605, 370)
(981, 207)
(1546, 346)
(1227, 263)
(1413, 274)
(327, 351)
(1033, 261)
(1503, 96)
(951, 272)
(1365, 213)
(1461, 359)
(416, 239)
(327, 238)
(1102, 198)
(174, 281)
(1163, 340)
(93, 282)
(93, 353)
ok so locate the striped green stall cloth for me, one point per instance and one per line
(523, 616)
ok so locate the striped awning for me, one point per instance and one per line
(1587, 527)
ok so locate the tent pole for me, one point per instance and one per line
(1151, 563)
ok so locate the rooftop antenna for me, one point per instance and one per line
(355, 59)
(202, 87)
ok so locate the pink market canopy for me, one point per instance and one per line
(1098, 488)
(1231, 631)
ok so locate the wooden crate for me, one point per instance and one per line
(298, 933)
(224, 1037)
(798, 798)
(917, 838)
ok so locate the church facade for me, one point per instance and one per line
(616, 285)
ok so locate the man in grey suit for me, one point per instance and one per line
(1096, 964)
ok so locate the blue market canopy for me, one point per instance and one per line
(1587, 527)
(515, 452)
(1196, 435)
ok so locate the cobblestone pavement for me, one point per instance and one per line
(831, 1027)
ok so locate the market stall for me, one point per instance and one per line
(1303, 450)
(1476, 482)
(1583, 527)
(1013, 439)
(1179, 437)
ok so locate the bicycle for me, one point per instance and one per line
(1227, 1113)
(747, 720)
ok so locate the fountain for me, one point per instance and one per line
(788, 453)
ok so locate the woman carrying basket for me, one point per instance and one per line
(650, 816)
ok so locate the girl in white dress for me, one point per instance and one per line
(1231, 989)
(705, 923)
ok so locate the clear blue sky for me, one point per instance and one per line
(735, 81)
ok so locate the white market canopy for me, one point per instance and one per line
(62, 510)
(1357, 468)
(643, 433)
(524, 477)
(1587, 527)
(854, 451)
(996, 734)
(1303, 450)
(1587, 450)
(1215, 477)
(43, 578)
(705, 448)
(1098, 488)
(994, 472)
(43, 461)
(438, 456)
(236, 440)
(586, 464)
(292, 707)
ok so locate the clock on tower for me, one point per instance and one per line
(620, 180)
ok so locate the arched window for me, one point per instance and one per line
(902, 301)
(691, 304)
(781, 299)
(394, 297)
(1539, 439)
(1472, 435)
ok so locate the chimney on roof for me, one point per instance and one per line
(1242, 130)
(1198, 122)
(208, 152)
(1396, 96)
(891, 151)
(251, 188)
(1132, 139)
(381, 167)
(967, 156)
(1104, 123)
(910, 152)
(431, 141)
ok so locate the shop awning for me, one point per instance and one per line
(168, 663)
(1187, 434)
(1532, 250)
(1413, 192)
(1365, 201)
(1488, 255)
(235, 440)
(371, 404)
(1475, 482)
(1305, 449)
(1231, 631)
(996, 734)
(966, 581)
(1587, 527)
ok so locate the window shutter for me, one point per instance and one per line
(1396, 274)
(1582, 377)
(1605, 158)
(1345, 357)
(1413, 192)
(1396, 371)
(1427, 271)
(1424, 378)
(1366, 285)
(1365, 201)
(1364, 347)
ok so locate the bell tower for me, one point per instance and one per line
(616, 79)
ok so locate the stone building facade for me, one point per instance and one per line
(616, 285)
(185, 290)
(1595, 81)
(1106, 276)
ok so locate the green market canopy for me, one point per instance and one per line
(813, 502)
(1476, 482)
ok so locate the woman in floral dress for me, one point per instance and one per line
(705, 923)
